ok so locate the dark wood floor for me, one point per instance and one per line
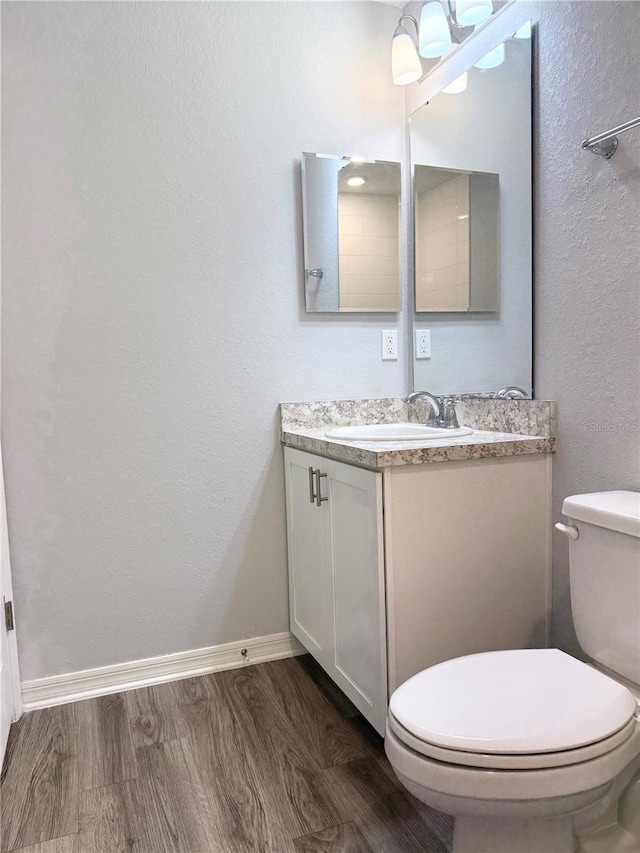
(270, 758)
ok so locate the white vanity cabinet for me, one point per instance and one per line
(336, 574)
(457, 563)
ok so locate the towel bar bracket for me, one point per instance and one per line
(605, 144)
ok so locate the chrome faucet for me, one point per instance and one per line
(433, 402)
(443, 409)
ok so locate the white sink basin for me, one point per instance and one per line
(394, 432)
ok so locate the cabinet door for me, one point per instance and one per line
(309, 580)
(468, 559)
(354, 532)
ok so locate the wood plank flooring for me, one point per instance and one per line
(265, 759)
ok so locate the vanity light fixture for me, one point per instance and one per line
(471, 12)
(356, 181)
(405, 63)
(438, 19)
(492, 59)
(459, 85)
(434, 33)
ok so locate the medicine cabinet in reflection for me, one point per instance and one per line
(351, 212)
(457, 226)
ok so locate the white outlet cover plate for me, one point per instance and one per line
(423, 343)
(389, 344)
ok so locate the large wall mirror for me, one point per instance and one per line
(471, 165)
(351, 212)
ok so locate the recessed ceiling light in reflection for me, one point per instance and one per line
(356, 181)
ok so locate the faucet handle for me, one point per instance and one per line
(449, 414)
(511, 392)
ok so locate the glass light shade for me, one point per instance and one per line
(523, 32)
(356, 181)
(494, 58)
(470, 12)
(435, 35)
(458, 85)
(405, 62)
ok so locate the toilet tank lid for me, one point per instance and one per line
(618, 510)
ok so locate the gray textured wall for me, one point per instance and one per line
(587, 257)
(153, 307)
(151, 238)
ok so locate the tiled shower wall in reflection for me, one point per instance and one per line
(442, 247)
(369, 252)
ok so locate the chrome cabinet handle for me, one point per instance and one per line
(319, 499)
(312, 494)
(315, 496)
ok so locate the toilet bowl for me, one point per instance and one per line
(533, 750)
(527, 742)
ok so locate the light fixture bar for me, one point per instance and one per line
(605, 144)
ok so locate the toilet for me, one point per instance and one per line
(533, 750)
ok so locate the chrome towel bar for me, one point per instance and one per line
(605, 144)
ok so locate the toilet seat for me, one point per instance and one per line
(518, 705)
(502, 761)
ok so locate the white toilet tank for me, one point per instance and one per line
(605, 578)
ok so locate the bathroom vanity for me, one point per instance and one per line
(406, 554)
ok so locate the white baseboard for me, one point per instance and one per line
(74, 686)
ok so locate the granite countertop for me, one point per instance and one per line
(501, 428)
(384, 454)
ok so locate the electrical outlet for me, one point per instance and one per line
(423, 343)
(389, 344)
